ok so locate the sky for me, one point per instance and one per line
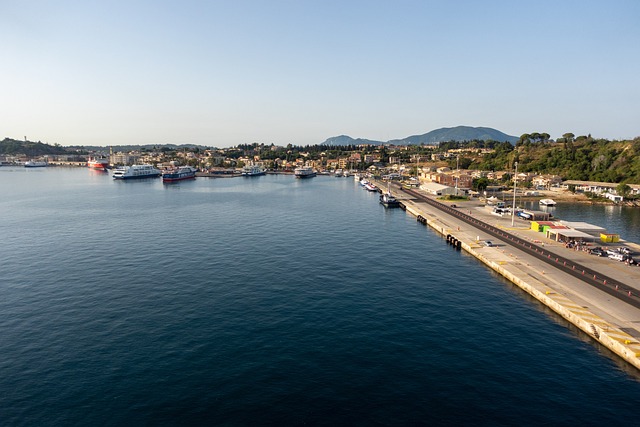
(223, 73)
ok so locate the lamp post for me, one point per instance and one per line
(457, 171)
(515, 185)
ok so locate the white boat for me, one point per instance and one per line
(370, 187)
(253, 170)
(304, 172)
(136, 172)
(547, 202)
(35, 164)
(179, 174)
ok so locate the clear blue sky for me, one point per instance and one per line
(221, 73)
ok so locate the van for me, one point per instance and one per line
(618, 257)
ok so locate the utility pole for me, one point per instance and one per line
(515, 186)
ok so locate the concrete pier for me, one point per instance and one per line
(610, 320)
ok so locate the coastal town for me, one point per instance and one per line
(436, 169)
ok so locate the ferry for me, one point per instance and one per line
(547, 202)
(136, 172)
(99, 164)
(180, 174)
(35, 164)
(254, 170)
(304, 172)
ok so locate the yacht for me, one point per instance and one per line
(547, 202)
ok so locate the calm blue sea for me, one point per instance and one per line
(270, 301)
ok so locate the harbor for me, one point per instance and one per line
(602, 299)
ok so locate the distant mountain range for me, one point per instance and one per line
(458, 133)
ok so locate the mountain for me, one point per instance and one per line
(458, 133)
(347, 140)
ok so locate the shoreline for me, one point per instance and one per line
(610, 323)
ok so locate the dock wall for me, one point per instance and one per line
(610, 336)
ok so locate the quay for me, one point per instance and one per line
(598, 295)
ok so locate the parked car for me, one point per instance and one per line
(618, 257)
(488, 243)
(598, 252)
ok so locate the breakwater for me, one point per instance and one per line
(526, 269)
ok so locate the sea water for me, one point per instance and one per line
(270, 301)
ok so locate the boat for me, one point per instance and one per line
(136, 172)
(254, 170)
(388, 200)
(98, 164)
(304, 172)
(547, 202)
(35, 164)
(179, 174)
(370, 187)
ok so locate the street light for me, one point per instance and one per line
(457, 172)
(515, 185)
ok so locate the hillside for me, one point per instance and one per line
(344, 140)
(458, 133)
(11, 147)
(582, 158)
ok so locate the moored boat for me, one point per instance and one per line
(136, 172)
(179, 174)
(370, 187)
(98, 164)
(304, 172)
(253, 170)
(547, 202)
(389, 201)
(35, 164)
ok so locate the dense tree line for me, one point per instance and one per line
(10, 147)
(578, 158)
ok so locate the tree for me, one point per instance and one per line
(480, 184)
(623, 190)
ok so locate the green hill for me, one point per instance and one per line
(10, 146)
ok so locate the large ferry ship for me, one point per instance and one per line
(253, 170)
(136, 172)
(304, 172)
(99, 164)
(35, 164)
(179, 174)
